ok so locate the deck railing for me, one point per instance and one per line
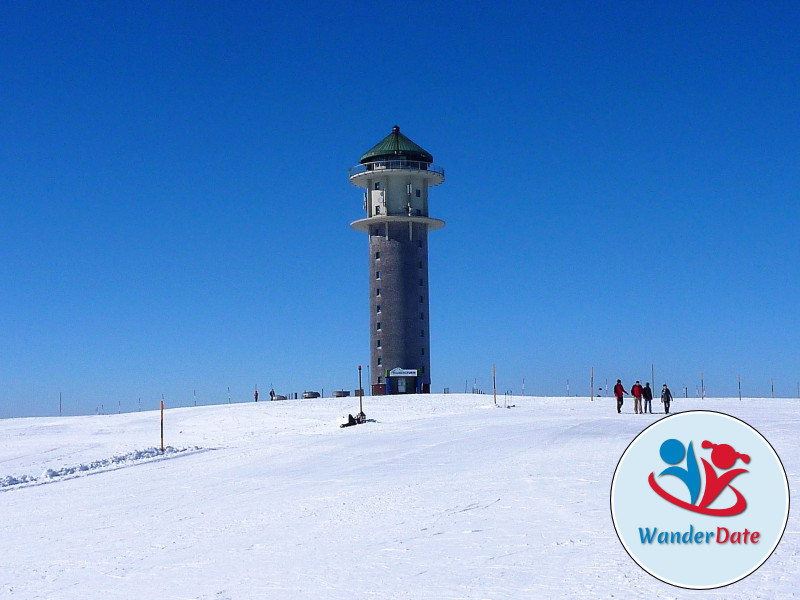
(382, 165)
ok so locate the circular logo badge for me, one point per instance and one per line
(699, 499)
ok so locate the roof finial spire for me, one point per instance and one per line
(396, 129)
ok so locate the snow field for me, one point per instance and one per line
(445, 497)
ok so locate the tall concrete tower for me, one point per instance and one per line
(396, 175)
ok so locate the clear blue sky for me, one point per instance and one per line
(623, 189)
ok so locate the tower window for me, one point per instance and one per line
(378, 326)
(378, 292)
(421, 316)
(420, 281)
(422, 333)
(380, 361)
(378, 344)
(377, 185)
(380, 380)
(377, 274)
(378, 309)
(422, 351)
(377, 210)
(421, 299)
(377, 256)
(420, 264)
(419, 193)
(420, 243)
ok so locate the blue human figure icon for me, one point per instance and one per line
(672, 452)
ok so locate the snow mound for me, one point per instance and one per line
(105, 464)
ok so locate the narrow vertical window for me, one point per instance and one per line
(378, 326)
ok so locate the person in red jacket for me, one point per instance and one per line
(619, 391)
(636, 392)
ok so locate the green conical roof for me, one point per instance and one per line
(396, 145)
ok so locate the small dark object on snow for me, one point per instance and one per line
(357, 420)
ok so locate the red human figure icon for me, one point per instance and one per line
(724, 457)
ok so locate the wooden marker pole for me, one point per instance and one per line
(162, 422)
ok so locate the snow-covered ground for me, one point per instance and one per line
(443, 496)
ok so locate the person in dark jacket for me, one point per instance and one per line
(647, 394)
(619, 391)
(636, 392)
(666, 398)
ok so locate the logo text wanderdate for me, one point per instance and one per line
(721, 536)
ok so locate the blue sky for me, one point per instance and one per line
(622, 191)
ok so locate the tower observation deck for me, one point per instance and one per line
(396, 175)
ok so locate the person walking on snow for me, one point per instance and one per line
(619, 391)
(647, 394)
(636, 392)
(666, 398)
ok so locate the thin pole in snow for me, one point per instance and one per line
(772, 387)
(229, 394)
(162, 422)
(494, 383)
(740, 388)
(195, 397)
(360, 393)
(523, 386)
(591, 396)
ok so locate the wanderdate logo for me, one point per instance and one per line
(700, 499)
(723, 456)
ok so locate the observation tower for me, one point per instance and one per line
(396, 175)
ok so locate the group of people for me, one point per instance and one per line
(640, 393)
